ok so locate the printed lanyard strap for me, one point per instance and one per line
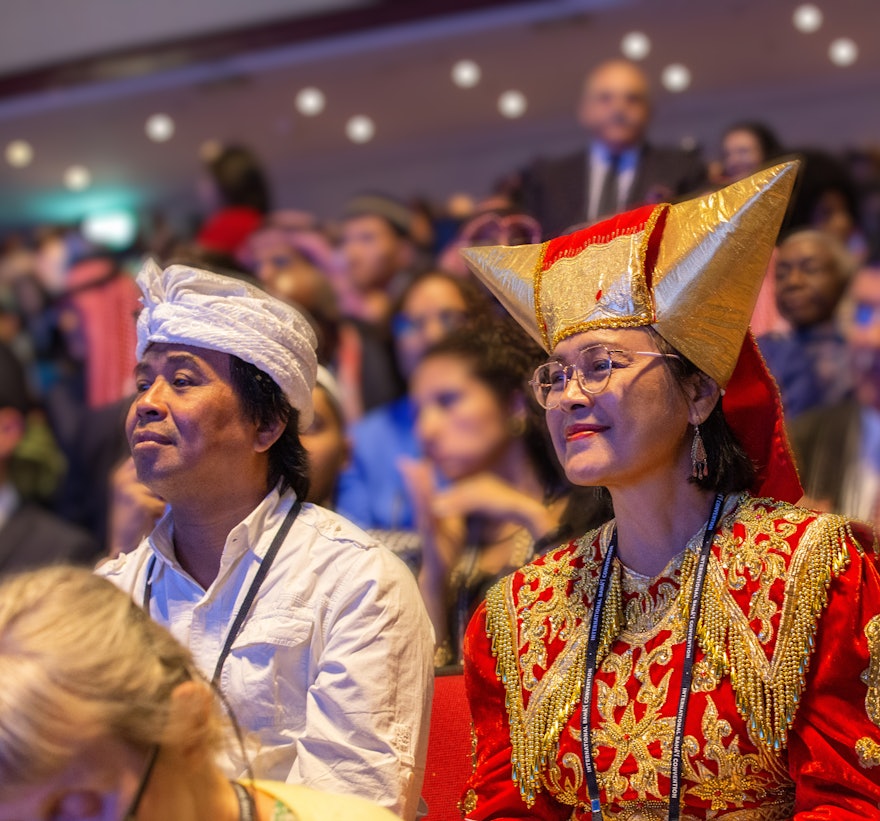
(686, 677)
(251, 596)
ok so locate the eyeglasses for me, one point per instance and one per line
(131, 815)
(592, 368)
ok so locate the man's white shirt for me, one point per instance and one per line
(331, 676)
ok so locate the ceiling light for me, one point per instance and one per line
(636, 45)
(115, 230)
(310, 101)
(466, 74)
(512, 104)
(19, 153)
(77, 177)
(360, 129)
(807, 18)
(676, 77)
(843, 52)
(159, 128)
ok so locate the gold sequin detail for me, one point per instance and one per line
(738, 777)
(768, 691)
(468, 802)
(534, 730)
(867, 749)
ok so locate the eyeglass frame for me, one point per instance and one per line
(572, 369)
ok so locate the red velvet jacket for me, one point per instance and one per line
(784, 716)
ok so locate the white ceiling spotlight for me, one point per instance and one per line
(360, 129)
(19, 153)
(77, 177)
(843, 52)
(310, 101)
(807, 18)
(466, 74)
(676, 78)
(512, 104)
(636, 45)
(159, 128)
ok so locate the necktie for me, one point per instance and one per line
(608, 197)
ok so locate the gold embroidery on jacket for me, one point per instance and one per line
(553, 603)
(768, 691)
(869, 750)
(739, 778)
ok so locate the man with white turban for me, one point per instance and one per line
(315, 634)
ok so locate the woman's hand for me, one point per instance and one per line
(442, 539)
(487, 495)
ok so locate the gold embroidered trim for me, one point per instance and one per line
(534, 732)
(539, 311)
(768, 692)
(468, 802)
(867, 749)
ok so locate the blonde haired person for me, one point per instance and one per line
(103, 715)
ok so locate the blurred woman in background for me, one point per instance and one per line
(103, 715)
(503, 496)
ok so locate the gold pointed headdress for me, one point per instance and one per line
(691, 270)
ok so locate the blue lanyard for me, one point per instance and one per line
(675, 775)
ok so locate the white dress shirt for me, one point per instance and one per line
(331, 676)
(600, 164)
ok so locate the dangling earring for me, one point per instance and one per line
(698, 456)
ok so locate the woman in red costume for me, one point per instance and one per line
(714, 651)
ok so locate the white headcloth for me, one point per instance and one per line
(188, 306)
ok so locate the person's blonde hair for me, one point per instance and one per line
(79, 660)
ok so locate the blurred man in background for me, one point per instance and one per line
(838, 447)
(618, 168)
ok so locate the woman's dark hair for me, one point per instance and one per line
(239, 179)
(767, 139)
(504, 358)
(265, 404)
(730, 469)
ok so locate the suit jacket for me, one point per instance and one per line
(826, 443)
(554, 190)
(33, 537)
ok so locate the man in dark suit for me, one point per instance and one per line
(29, 535)
(618, 169)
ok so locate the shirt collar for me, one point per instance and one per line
(254, 533)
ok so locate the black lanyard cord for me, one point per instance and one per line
(675, 774)
(251, 595)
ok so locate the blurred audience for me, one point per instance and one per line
(294, 260)
(618, 168)
(495, 224)
(380, 254)
(235, 191)
(503, 493)
(325, 441)
(809, 362)
(838, 446)
(30, 536)
(747, 147)
(372, 492)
